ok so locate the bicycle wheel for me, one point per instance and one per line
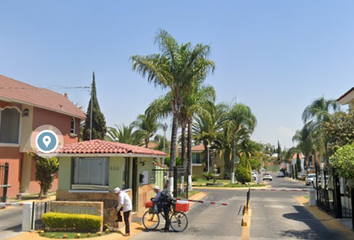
(179, 221)
(151, 220)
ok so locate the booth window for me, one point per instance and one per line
(90, 174)
(196, 158)
(9, 126)
(125, 180)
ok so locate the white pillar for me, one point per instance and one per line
(190, 187)
(232, 177)
(171, 185)
(27, 217)
(312, 197)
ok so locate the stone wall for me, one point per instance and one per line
(109, 200)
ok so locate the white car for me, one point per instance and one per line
(268, 177)
(281, 174)
(311, 177)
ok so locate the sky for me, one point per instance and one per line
(275, 56)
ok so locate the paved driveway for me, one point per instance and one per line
(10, 222)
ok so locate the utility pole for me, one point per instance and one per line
(91, 114)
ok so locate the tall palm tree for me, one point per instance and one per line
(146, 126)
(196, 102)
(123, 134)
(239, 117)
(315, 116)
(174, 69)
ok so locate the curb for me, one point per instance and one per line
(281, 189)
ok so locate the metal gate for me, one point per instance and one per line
(38, 209)
(4, 181)
(324, 186)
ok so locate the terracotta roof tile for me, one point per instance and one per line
(106, 147)
(15, 91)
(198, 148)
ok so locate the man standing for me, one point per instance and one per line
(124, 203)
(166, 201)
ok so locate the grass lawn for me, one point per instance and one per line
(307, 197)
(70, 235)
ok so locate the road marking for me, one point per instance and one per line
(10, 204)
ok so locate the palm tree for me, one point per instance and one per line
(239, 117)
(146, 126)
(196, 102)
(174, 69)
(123, 134)
(305, 143)
(315, 116)
(207, 126)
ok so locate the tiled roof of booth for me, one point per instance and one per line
(106, 147)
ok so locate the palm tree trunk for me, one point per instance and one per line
(146, 143)
(183, 152)
(206, 153)
(189, 155)
(173, 148)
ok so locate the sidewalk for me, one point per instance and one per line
(333, 224)
(136, 228)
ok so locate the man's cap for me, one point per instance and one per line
(156, 188)
(116, 190)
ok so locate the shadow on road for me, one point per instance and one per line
(315, 230)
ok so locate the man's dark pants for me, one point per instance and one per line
(166, 211)
(126, 221)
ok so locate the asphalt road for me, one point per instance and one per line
(277, 215)
(10, 222)
(209, 221)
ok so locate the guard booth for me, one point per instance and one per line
(4, 180)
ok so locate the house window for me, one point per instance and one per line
(72, 126)
(9, 125)
(25, 112)
(196, 158)
(126, 176)
(90, 174)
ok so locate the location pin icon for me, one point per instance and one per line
(46, 140)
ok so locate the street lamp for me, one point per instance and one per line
(208, 157)
(164, 127)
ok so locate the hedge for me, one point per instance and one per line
(77, 222)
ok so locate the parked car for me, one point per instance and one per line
(268, 177)
(311, 177)
(281, 174)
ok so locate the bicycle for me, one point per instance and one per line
(178, 220)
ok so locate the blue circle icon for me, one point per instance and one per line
(47, 141)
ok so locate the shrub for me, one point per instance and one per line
(77, 222)
(195, 178)
(244, 172)
(208, 175)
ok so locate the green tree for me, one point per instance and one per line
(98, 121)
(45, 172)
(279, 152)
(174, 69)
(123, 134)
(244, 172)
(298, 162)
(343, 161)
(305, 143)
(340, 130)
(256, 164)
(146, 126)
